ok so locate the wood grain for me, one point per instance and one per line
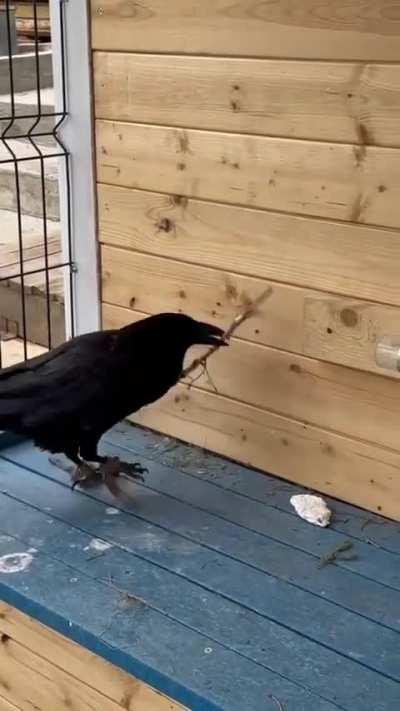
(90, 670)
(351, 260)
(317, 29)
(30, 682)
(151, 285)
(357, 404)
(340, 330)
(352, 183)
(314, 100)
(6, 706)
(347, 332)
(363, 474)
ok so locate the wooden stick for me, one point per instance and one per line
(249, 310)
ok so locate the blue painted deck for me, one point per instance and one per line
(210, 589)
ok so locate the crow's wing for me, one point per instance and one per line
(35, 363)
(56, 384)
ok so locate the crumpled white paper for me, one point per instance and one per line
(312, 508)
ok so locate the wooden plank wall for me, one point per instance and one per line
(256, 143)
(40, 669)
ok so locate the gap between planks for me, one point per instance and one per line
(244, 57)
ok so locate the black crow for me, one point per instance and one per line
(65, 400)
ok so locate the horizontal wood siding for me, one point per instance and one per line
(362, 405)
(6, 706)
(40, 669)
(352, 260)
(336, 329)
(246, 145)
(354, 183)
(320, 101)
(311, 29)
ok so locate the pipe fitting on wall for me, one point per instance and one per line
(387, 354)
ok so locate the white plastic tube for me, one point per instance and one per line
(387, 354)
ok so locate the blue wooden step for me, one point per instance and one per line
(208, 586)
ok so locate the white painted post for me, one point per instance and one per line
(77, 135)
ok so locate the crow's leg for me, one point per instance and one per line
(111, 466)
(83, 471)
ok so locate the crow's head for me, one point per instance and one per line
(179, 329)
(206, 334)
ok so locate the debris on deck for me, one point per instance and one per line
(312, 508)
(336, 553)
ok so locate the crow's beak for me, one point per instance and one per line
(211, 335)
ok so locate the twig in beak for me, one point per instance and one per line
(249, 310)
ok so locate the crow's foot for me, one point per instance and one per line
(108, 472)
(81, 474)
(113, 466)
(84, 474)
(133, 470)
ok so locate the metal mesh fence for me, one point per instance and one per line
(33, 264)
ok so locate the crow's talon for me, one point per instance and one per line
(133, 470)
(113, 466)
(110, 467)
(109, 471)
(83, 474)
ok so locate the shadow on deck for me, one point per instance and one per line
(208, 586)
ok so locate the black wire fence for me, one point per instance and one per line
(34, 268)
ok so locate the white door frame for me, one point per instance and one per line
(70, 32)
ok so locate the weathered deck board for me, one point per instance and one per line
(149, 639)
(193, 565)
(378, 565)
(87, 612)
(240, 630)
(272, 492)
(208, 539)
(208, 536)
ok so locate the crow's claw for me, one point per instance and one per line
(83, 474)
(133, 470)
(113, 466)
